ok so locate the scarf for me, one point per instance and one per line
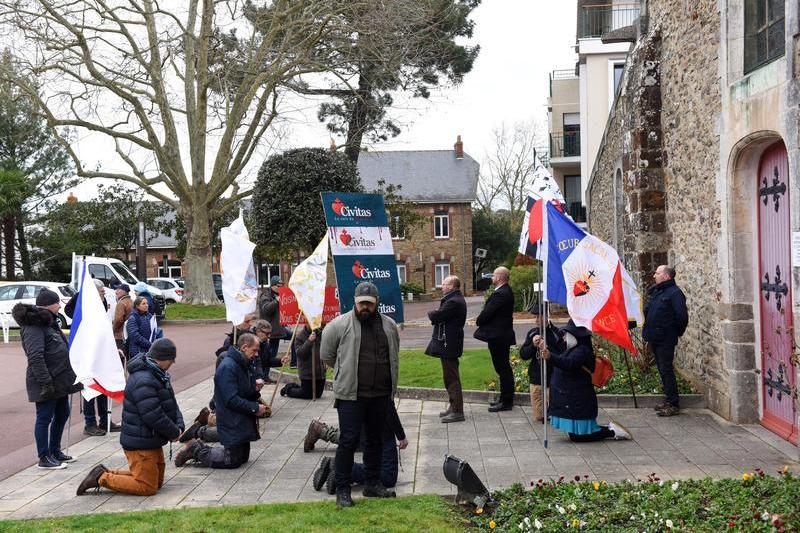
(160, 373)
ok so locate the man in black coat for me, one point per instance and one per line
(236, 396)
(49, 378)
(150, 419)
(447, 343)
(666, 318)
(496, 327)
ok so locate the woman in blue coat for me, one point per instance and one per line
(140, 328)
(573, 401)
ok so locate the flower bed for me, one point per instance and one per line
(754, 502)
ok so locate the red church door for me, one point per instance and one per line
(778, 374)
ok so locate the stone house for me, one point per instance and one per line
(698, 169)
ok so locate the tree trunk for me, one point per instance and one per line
(358, 120)
(8, 238)
(199, 283)
(24, 253)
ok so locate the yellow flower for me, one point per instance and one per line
(746, 476)
(492, 524)
(596, 485)
(479, 510)
(576, 522)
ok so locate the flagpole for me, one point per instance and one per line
(283, 368)
(313, 370)
(69, 420)
(544, 373)
(108, 415)
(630, 379)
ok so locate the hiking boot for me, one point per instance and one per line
(315, 430)
(452, 417)
(343, 498)
(620, 432)
(669, 410)
(92, 480)
(202, 417)
(47, 462)
(378, 491)
(94, 431)
(445, 412)
(330, 483)
(322, 473)
(189, 451)
(661, 406)
(61, 457)
(190, 432)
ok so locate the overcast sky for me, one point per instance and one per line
(521, 42)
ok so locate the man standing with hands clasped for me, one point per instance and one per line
(362, 346)
(496, 327)
(447, 343)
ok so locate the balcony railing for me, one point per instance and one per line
(561, 74)
(543, 155)
(565, 144)
(577, 211)
(598, 20)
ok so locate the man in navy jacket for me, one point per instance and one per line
(236, 396)
(665, 320)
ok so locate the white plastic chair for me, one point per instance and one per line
(4, 324)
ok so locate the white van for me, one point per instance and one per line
(111, 271)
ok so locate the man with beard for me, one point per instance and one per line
(362, 346)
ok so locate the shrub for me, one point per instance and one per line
(411, 287)
(522, 281)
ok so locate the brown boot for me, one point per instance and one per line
(92, 480)
(536, 403)
(212, 420)
(189, 451)
(203, 416)
(315, 429)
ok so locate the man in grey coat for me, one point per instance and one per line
(362, 346)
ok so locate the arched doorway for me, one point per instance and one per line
(778, 374)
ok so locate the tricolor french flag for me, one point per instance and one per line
(92, 350)
(585, 274)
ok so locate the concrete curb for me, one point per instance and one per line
(610, 401)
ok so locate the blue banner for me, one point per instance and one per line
(353, 209)
(361, 245)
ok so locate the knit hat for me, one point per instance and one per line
(275, 280)
(47, 297)
(140, 287)
(366, 292)
(162, 350)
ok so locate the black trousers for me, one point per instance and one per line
(224, 456)
(665, 356)
(370, 413)
(303, 390)
(452, 382)
(502, 365)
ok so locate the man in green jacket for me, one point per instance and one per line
(362, 346)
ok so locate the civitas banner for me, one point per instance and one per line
(361, 245)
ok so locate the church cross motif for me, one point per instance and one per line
(776, 189)
(778, 286)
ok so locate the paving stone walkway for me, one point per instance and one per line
(503, 449)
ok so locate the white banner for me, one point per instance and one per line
(308, 284)
(360, 240)
(239, 285)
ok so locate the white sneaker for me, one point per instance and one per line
(620, 433)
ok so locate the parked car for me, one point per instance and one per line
(218, 285)
(484, 281)
(14, 292)
(172, 289)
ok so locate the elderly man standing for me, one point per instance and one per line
(362, 346)
(496, 327)
(665, 320)
(121, 313)
(236, 396)
(447, 343)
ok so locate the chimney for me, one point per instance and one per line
(458, 148)
(71, 199)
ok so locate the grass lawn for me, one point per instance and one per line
(413, 513)
(194, 312)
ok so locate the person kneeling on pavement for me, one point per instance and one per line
(573, 401)
(325, 475)
(150, 419)
(307, 344)
(236, 396)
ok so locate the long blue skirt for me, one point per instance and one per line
(576, 427)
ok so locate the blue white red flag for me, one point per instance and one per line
(543, 189)
(93, 352)
(585, 274)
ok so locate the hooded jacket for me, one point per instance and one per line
(47, 351)
(236, 399)
(150, 413)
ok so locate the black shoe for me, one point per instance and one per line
(330, 483)
(669, 410)
(92, 480)
(47, 462)
(321, 474)
(283, 390)
(445, 412)
(116, 428)
(94, 431)
(190, 433)
(378, 491)
(494, 408)
(452, 417)
(189, 451)
(343, 499)
(62, 457)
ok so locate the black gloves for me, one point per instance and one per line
(47, 393)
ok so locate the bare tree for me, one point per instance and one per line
(507, 170)
(151, 79)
